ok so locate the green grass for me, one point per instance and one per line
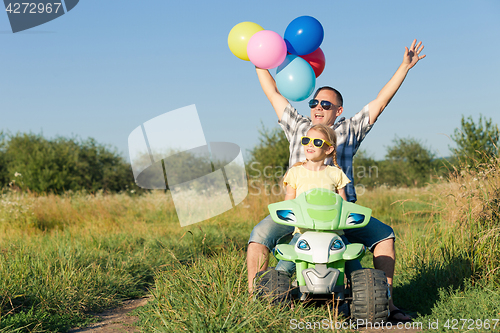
(477, 302)
(211, 295)
(95, 252)
(54, 280)
(63, 257)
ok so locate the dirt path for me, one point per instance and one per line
(116, 320)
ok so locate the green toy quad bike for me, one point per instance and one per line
(320, 255)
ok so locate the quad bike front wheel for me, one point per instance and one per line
(272, 285)
(370, 295)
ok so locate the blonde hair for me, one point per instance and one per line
(330, 136)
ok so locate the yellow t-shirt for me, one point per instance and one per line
(302, 180)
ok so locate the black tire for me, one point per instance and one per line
(272, 285)
(370, 295)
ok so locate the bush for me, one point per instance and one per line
(476, 143)
(409, 162)
(31, 162)
(366, 170)
(271, 152)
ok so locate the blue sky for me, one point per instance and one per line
(106, 67)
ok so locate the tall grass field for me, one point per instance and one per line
(65, 257)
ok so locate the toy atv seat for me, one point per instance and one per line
(320, 209)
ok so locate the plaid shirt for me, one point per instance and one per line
(349, 132)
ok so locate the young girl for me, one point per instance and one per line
(319, 144)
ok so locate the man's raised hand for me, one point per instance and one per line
(412, 55)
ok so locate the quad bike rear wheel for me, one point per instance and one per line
(370, 295)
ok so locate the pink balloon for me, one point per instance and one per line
(266, 49)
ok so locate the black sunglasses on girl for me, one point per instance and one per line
(318, 143)
(324, 104)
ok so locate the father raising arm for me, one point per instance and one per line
(326, 106)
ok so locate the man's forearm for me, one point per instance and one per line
(387, 93)
(266, 81)
(389, 90)
(271, 90)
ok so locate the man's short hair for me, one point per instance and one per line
(339, 95)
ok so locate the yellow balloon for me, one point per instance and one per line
(239, 36)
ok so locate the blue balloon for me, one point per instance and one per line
(295, 78)
(303, 35)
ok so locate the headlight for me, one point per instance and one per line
(303, 245)
(336, 245)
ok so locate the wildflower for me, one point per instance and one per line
(132, 191)
(17, 174)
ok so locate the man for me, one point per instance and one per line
(326, 107)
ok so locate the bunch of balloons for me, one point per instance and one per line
(298, 56)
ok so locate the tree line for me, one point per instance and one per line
(408, 161)
(30, 162)
(33, 163)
